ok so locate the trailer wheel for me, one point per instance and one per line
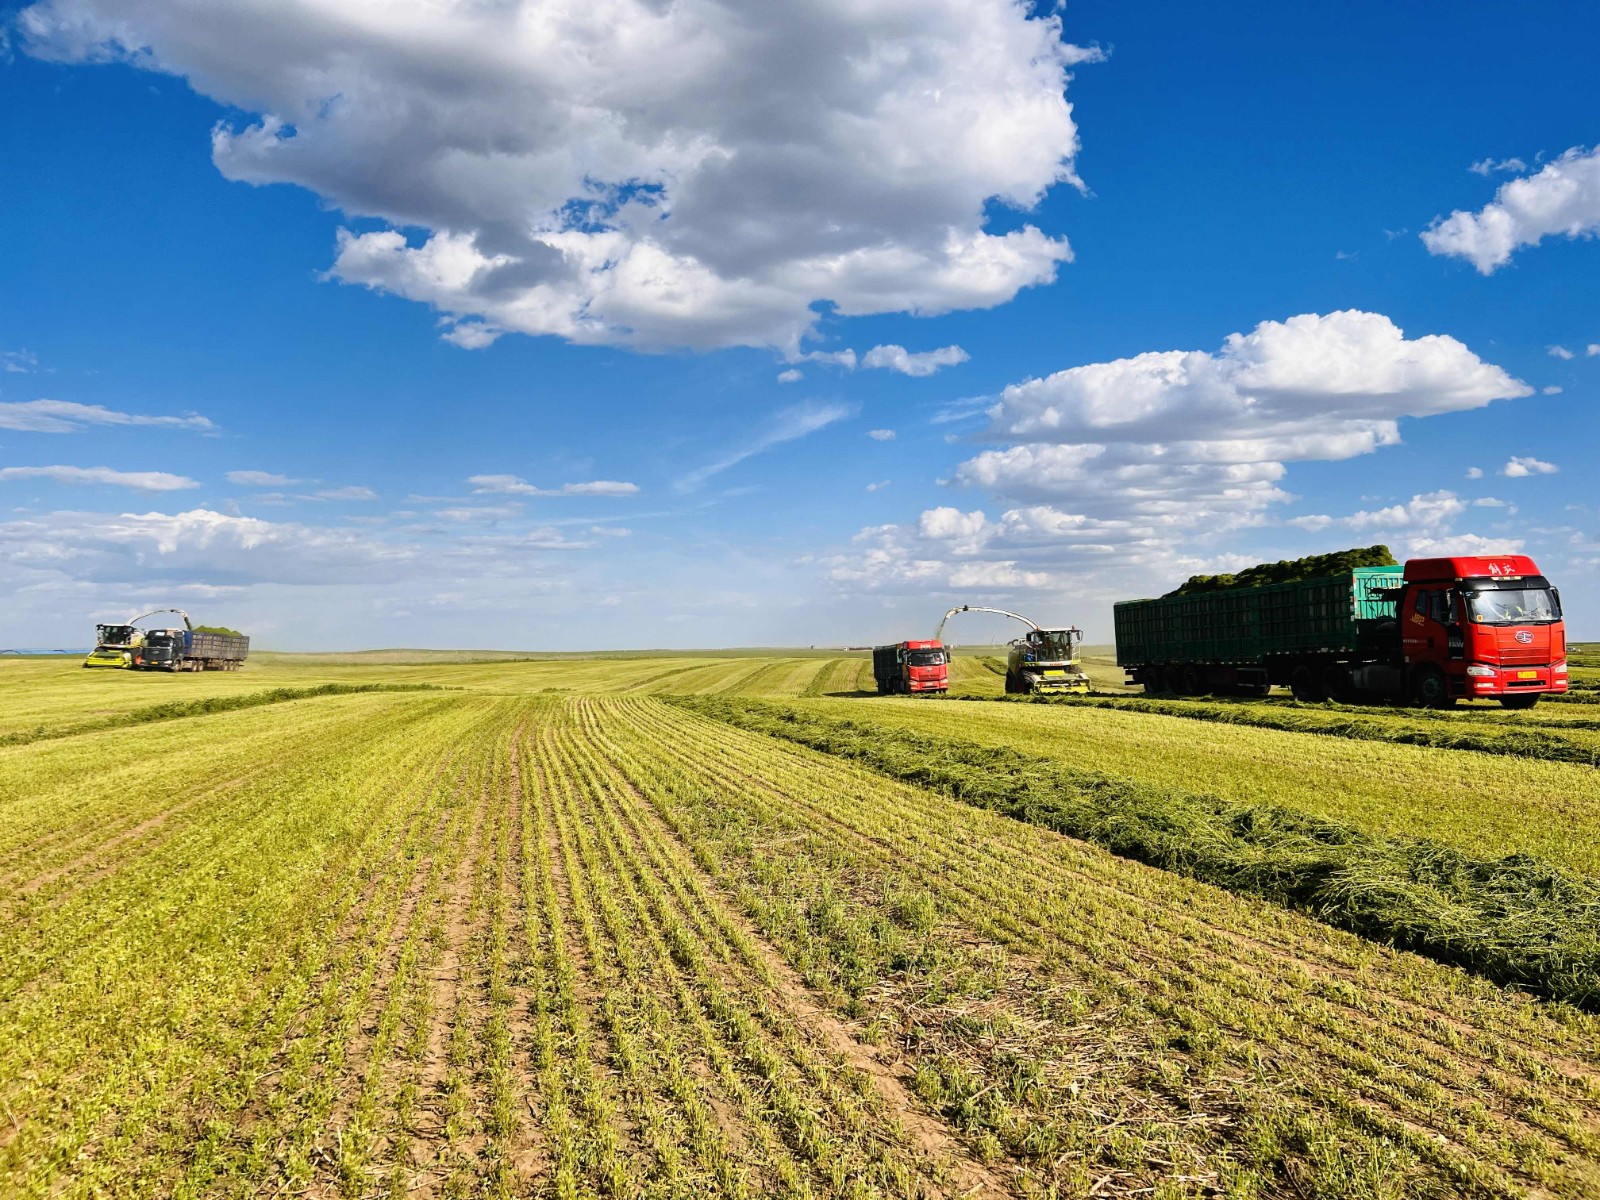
(1430, 689)
(1518, 702)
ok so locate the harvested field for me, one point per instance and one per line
(529, 937)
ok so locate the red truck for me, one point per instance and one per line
(1487, 627)
(911, 668)
(1437, 631)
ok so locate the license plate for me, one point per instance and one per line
(1527, 674)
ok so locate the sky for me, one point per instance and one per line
(558, 326)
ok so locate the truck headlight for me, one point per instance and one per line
(1481, 670)
(1559, 668)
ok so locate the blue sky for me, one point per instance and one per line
(1218, 169)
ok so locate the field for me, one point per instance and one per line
(727, 925)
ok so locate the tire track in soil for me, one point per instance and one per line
(1507, 1104)
(703, 900)
(431, 1155)
(1206, 934)
(526, 1154)
(358, 1049)
(86, 849)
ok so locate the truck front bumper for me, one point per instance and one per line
(1516, 681)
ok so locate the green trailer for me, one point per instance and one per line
(1243, 640)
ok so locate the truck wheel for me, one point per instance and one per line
(1518, 702)
(1193, 681)
(1172, 678)
(1431, 689)
(1011, 683)
(1336, 683)
(1307, 688)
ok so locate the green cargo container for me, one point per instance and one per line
(1332, 616)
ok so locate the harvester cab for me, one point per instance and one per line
(1046, 660)
(1042, 660)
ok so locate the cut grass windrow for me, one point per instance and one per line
(1410, 727)
(1514, 920)
(176, 709)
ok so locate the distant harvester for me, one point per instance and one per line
(127, 647)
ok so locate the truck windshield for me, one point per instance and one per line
(1512, 606)
(924, 658)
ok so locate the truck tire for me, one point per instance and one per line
(1518, 702)
(1172, 680)
(1336, 684)
(1192, 680)
(1430, 689)
(1011, 683)
(1306, 686)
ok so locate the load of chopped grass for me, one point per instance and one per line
(223, 630)
(1290, 570)
(1516, 920)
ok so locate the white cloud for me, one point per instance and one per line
(471, 335)
(1434, 510)
(924, 363)
(1558, 352)
(515, 485)
(1489, 502)
(879, 486)
(610, 531)
(833, 358)
(1553, 389)
(1474, 472)
(1488, 166)
(1562, 198)
(630, 171)
(962, 533)
(1521, 467)
(1320, 386)
(1191, 435)
(786, 426)
(1592, 349)
(346, 493)
(64, 416)
(260, 479)
(1459, 543)
(791, 376)
(482, 512)
(18, 362)
(881, 435)
(142, 481)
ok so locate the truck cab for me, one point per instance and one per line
(164, 650)
(1481, 627)
(911, 668)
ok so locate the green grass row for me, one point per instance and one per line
(175, 709)
(1495, 734)
(1515, 920)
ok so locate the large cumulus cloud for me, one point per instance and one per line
(701, 173)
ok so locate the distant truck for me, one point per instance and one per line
(911, 668)
(187, 649)
(1434, 632)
